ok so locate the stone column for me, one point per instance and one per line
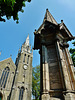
(64, 68)
(71, 68)
(45, 75)
(68, 94)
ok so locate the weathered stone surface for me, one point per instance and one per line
(20, 75)
(45, 97)
(24, 76)
(70, 96)
(54, 51)
(3, 64)
(54, 75)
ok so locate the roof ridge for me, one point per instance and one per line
(6, 59)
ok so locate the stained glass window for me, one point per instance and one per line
(4, 77)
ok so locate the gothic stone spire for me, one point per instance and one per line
(27, 41)
(26, 46)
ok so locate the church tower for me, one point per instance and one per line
(56, 66)
(22, 84)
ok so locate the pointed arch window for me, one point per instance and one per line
(24, 57)
(4, 77)
(28, 59)
(21, 93)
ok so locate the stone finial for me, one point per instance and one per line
(35, 31)
(47, 9)
(10, 55)
(32, 50)
(61, 21)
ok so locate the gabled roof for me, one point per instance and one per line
(49, 17)
(7, 61)
(50, 22)
(63, 27)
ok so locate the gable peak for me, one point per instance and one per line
(49, 17)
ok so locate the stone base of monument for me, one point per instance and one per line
(54, 98)
(69, 96)
(45, 97)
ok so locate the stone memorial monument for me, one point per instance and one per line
(56, 66)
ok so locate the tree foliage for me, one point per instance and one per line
(36, 82)
(72, 51)
(10, 8)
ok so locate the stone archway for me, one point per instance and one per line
(1, 96)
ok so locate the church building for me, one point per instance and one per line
(57, 75)
(16, 79)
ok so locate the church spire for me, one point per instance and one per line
(49, 17)
(26, 46)
(27, 41)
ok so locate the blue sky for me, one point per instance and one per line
(12, 35)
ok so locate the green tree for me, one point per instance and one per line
(72, 51)
(36, 82)
(10, 8)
